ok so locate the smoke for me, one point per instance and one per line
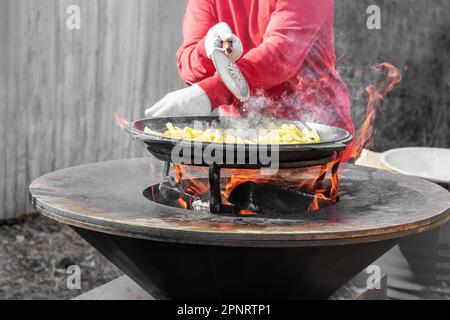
(310, 97)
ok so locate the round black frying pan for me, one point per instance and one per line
(332, 139)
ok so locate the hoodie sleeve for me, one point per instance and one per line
(193, 63)
(290, 35)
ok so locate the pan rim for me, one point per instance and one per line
(145, 137)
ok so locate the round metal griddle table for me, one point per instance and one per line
(176, 253)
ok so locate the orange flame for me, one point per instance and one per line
(192, 185)
(330, 194)
(121, 122)
(182, 203)
(247, 213)
(375, 94)
(310, 178)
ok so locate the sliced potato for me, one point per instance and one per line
(287, 134)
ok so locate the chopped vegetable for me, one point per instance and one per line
(287, 134)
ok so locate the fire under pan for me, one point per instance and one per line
(333, 141)
(249, 192)
(181, 254)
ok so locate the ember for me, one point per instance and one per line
(247, 213)
(182, 203)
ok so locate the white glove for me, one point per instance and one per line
(191, 101)
(217, 35)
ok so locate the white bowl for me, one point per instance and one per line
(432, 164)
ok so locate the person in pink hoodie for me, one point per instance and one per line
(284, 48)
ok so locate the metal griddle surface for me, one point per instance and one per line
(107, 197)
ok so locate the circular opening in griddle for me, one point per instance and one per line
(247, 198)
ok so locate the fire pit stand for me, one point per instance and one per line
(175, 253)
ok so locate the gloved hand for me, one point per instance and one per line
(191, 101)
(217, 35)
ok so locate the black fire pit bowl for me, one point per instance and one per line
(181, 254)
(185, 271)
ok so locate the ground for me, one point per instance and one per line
(35, 254)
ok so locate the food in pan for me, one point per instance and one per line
(290, 134)
(286, 134)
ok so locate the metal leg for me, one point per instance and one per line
(166, 170)
(215, 199)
